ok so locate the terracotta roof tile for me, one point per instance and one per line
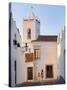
(46, 38)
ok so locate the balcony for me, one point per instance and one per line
(28, 57)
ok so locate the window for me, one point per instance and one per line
(14, 41)
(18, 45)
(36, 53)
(29, 33)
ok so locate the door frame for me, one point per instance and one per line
(32, 73)
(46, 71)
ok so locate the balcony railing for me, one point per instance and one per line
(28, 57)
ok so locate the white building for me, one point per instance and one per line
(61, 54)
(15, 53)
(40, 56)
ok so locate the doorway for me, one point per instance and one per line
(30, 73)
(49, 71)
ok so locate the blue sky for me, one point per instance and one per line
(52, 17)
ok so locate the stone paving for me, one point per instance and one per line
(52, 82)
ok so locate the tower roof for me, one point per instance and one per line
(31, 15)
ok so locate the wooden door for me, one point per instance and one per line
(30, 73)
(49, 71)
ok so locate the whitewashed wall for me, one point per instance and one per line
(35, 29)
(26, 25)
(16, 54)
(19, 58)
(48, 56)
(13, 52)
(61, 55)
(25, 65)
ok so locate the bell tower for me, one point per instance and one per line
(31, 27)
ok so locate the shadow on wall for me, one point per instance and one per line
(61, 64)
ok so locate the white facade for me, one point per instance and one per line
(61, 54)
(16, 55)
(32, 23)
(49, 65)
(48, 56)
(48, 51)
